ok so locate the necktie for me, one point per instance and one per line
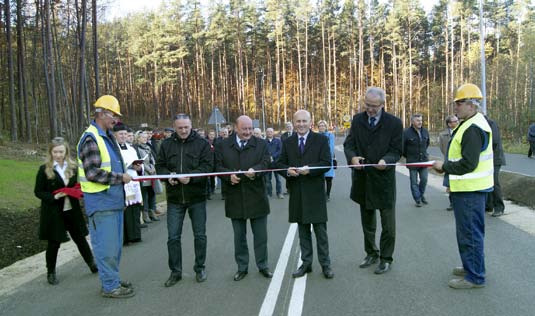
(372, 121)
(242, 143)
(123, 146)
(301, 144)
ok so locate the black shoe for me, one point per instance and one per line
(368, 261)
(418, 204)
(303, 269)
(93, 267)
(383, 267)
(266, 273)
(497, 214)
(51, 278)
(200, 276)
(449, 208)
(240, 275)
(173, 279)
(328, 272)
(424, 201)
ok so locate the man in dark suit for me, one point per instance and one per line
(375, 138)
(289, 131)
(308, 202)
(245, 196)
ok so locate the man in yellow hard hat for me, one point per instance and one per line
(469, 171)
(102, 175)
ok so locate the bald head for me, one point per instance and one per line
(244, 127)
(302, 120)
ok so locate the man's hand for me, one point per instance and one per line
(137, 167)
(234, 179)
(437, 165)
(356, 161)
(172, 181)
(250, 173)
(184, 180)
(293, 172)
(126, 178)
(381, 165)
(303, 170)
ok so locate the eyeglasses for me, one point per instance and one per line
(373, 106)
(181, 116)
(109, 115)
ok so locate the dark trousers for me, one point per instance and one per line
(329, 185)
(241, 251)
(495, 198)
(80, 241)
(132, 229)
(175, 219)
(322, 243)
(469, 210)
(388, 234)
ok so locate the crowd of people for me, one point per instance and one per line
(110, 155)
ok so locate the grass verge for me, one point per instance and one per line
(17, 180)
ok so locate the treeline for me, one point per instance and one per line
(264, 58)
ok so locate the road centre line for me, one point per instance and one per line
(270, 300)
(298, 293)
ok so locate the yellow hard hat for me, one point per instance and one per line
(110, 103)
(468, 91)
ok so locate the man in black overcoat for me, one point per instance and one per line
(245, 195)
(308, 204)
(375, 138)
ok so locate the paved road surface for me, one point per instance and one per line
(425, 253)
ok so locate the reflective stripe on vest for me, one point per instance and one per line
(88, 186)
(482, 177)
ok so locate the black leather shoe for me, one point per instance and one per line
(424, 201)
(328, 272)
(173, 279)
(303, 269)
(51, 278)
(93, 267)
(240, 275)
(368, 261)
(383, 267)
(200, 276)
(266, 273)
(497, 214)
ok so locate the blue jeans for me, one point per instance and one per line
(106, 230)
(418, 188)
(469, 210)
(269, 187)
(175, 219)
(149, 198)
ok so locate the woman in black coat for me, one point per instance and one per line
(60, 212)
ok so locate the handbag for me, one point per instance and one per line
(157, 186)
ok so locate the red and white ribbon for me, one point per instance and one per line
(426, 164)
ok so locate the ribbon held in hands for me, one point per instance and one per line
(74, 191)
(425, 164)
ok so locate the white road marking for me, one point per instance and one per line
(298, 293)
(270, 300)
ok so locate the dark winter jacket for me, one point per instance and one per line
(373, 188)
(497, 148)
(51, 223)
(414, 146)
(248, 198)
(191, 155)
(308, 203)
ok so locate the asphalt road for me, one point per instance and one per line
(426, 252)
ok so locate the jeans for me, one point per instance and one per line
(418, 188)
(175, 219)
(149, 198)
(106, 230)
(269, 187)
(469, 210)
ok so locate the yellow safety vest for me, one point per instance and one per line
(88, 186)
(480, 178)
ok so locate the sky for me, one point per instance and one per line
(123, 7)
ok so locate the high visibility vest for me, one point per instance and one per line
(482, 177)
(88, 186)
